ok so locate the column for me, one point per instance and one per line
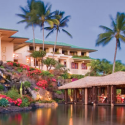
(68, 63)
(113, 95)
(37, 48)
(83, 96)
(86, 96)
(50, 50)
(108, 94)
(60, 50)
(68, 52)
(66, 96)
(94, 98)
(79, 53)
(75, 96)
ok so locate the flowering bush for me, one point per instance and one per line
(42, 83)
(10, 100)
(36, 89)
(74, 79)
(54, 80)
(33, 72)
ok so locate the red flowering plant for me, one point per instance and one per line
(54, 80)
(33, 72)
(42, 83)
(36, 89)
(16, 102)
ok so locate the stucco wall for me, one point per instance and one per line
(7, 51)
(23, 52)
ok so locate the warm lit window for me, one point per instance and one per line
(74, 65)
(65, 64)
(84, 66)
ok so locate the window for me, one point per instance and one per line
(84, 66)
(74, 65)
(65, 63)
(31, 48)
(36, 62)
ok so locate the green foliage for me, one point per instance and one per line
(77, 76)
(118, 91)
(82, 57)
(4, 102)
(1, 87)
(25, 102)
(19, 69)
(66, 75)
(1, 66)
(58, 92)
(46, 73)
(13, 93)
(26, 84)
(49, 62)
(46, 101)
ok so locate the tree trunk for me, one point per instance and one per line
(55, 43)
(34, 42)
(43, 37)
(115, 56)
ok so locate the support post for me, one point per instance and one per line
(75, 96)
(86, 96)
(83, 96)
(66, 96)
(108, 94)
(94, 98)
(113, 95)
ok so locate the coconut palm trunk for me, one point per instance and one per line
(43, 37)
(55, 43)
(34, 43)
(115, 56)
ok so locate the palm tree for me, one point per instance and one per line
(49, 62)
(29, 16)
(117, 32)
(57, 27)
(45, 16)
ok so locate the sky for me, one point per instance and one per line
(86, 16)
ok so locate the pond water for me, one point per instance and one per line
(67, 115)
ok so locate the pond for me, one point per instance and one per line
(67, 115)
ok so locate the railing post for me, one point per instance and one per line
(86, 96)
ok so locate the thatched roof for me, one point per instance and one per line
(116, 78)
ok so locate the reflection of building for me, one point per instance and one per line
(101, 90)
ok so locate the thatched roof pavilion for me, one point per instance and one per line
(116, 78)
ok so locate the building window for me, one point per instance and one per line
(31, 48)
(84, 66)
(74, 65)
(65, 63)
(36, 62)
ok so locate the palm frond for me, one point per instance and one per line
(113, 24)
(67, 33)
(122, 37)
(50, 33)
(106, 28)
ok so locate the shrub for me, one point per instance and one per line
(25, 102)
(46, 101)
(30, 99)
(58, 92)
(19, 69)
(27, 84)
(77, 76)
(1, 66)
(13, 93)
(1, 87)
(42, 83)
(4, 102)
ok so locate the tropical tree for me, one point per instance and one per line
(59, 26)
(29, 16)
(49, 62)
(117, 32)
(35, 55)
(45, 16)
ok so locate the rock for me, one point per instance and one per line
(59, 96)
(13, 109)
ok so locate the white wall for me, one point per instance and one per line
(24, 52)
(7, 51)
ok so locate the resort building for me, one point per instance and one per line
(8, 43)
(73, 57)
(18, 49)
(97, 90)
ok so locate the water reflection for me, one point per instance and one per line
(67, 115)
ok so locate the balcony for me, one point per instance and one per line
(81, 57)
(79, 71)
